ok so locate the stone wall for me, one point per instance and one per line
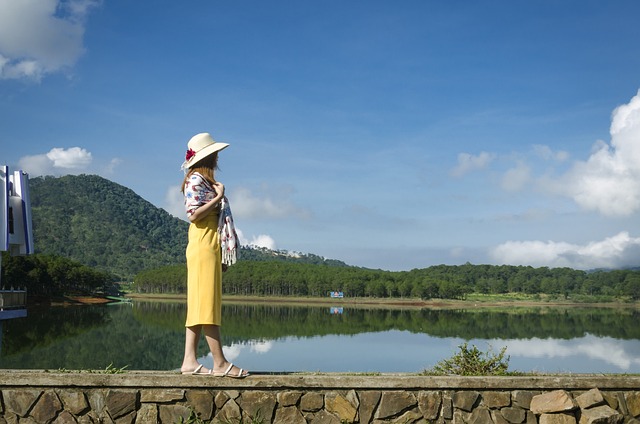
(163, 397)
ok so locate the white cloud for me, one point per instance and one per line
(546, 153)
(57, 161)
(272, 203)
(618, 251)
(609, 181)
(263, 346)
(73, 158)
(604, 349)
(468, 163)
(174, 202)
(517, 177)
(262, 240)
(41, 36)
(112, 165)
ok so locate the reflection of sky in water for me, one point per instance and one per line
(402, 351)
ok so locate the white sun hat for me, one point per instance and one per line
(199, 147)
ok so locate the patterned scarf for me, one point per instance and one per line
(228, 236)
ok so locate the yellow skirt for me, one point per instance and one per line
(204, 273)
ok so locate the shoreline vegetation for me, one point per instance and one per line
(471, 302)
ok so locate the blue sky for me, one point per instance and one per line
(386, 134)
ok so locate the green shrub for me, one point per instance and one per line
(471, 361)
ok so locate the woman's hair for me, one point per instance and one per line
(205, 167)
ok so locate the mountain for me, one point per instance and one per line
(108, 226)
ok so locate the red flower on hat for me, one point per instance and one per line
(190, 153)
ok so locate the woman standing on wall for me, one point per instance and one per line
(204, 203)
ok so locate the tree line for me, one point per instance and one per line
(268, 278)
(52, 276)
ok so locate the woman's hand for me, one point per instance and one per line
(219, 187)
(211, 206)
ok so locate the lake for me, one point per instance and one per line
(149, 335)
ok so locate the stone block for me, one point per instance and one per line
(522, 398)
(497, 418)
(513, 414)
(65, 417)
(496, 400)
(288, 398)
(560, 418)
(611, 399)
(479, 415)
(162, 396)
(47, 407)
(465, 400)
(201, 401)
(20, 401)
(338, 405)
(91, 417)
(312, 401)
(233, 394)
(412, 416)
(96, 400)
(148, 413)
(323, 417)
(230, 412)
(600, 415)
(622, 403)
(459, 417)
(74, 401)
(352, 397)
(590, 399)
(393, 403)
(552, 402)
(368, 403)
(429, 404)
(258, 404)
(220, 399)
(531, 418)
(289, 415)
(174, 413)
(632, 401)
(130, 418)
(121, 402)
(447, 408)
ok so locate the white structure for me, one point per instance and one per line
(16, 230)
(16, 234)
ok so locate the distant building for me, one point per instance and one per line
(16, 237)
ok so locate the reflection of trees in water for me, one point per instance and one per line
(118, 339)
(163, 315)
(150, 335)
(542, 323)
(243, 322)
(43, 326)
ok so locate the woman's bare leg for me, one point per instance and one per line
(190, 361)
(220, 363)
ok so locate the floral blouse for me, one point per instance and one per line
(197, 192)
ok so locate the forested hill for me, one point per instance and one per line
(103, 224)
(106, 225)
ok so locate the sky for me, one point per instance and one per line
(387, 134)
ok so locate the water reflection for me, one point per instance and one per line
(264, 337)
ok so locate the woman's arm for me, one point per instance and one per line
(209, 207)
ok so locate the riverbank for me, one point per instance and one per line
(474, 301)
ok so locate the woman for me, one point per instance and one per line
(203, 196)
